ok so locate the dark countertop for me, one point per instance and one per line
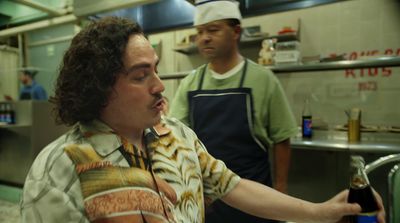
(379, 142)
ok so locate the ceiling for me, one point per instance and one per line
(18, 16)
(170, 14)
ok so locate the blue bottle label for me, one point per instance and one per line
(367, 218)
(307, 127)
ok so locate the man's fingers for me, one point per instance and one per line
(351, 209)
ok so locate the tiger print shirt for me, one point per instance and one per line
(90, 174)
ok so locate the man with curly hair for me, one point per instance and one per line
(114, 166)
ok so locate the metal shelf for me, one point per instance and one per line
(14, 126)
(186, 49)
(244, 42)
(177, 75)
(338, 65)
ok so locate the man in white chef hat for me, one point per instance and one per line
(236, 107)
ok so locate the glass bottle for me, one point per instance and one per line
(2, 112)
(306, 120)
(9, 114)
(361, 192)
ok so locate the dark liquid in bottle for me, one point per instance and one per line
(365, 198)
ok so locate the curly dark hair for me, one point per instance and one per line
(89, 69)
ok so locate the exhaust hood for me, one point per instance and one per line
(90, 7)
(168, 14)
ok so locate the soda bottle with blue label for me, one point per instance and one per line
(361, 193)
(306, 121)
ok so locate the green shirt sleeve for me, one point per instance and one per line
(281, 122)
(180, 103)
(274, 120)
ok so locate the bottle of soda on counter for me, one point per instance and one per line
(2, 112)
(306, 121)
(9, 114)
(361, 192)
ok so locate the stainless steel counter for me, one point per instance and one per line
(331, 140)
(320, 166)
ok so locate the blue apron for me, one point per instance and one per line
(223, 121)
(26, 93)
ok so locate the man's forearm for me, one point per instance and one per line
(281, 165)
(259, 200)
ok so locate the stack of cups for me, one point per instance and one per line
(354, 123)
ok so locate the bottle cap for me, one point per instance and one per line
(357, 160)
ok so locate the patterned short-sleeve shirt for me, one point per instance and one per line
(91, 174)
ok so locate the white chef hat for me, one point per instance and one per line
(211, 10)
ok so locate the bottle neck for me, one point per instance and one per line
(306, 109)
(359, 178)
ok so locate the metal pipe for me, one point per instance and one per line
(393, 174)
(382, 161)
(9, 48)
(44, 8)
(51, 41)
(386, 61)
(391, 177)
(21, 46)
(38, 25)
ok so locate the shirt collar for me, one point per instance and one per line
(100, 136)
(104, 139)
(229, 73)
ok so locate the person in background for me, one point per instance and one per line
(114, 166)
(237, 108)
(31, 89)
